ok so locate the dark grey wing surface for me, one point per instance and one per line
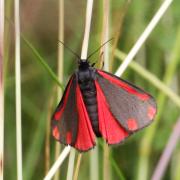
(132, 107)
(65, 118)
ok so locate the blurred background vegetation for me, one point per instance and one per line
(160, 55)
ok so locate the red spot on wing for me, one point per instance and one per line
(85, 136)
(125, 86)
(151, 112)
(56, 132)
(68, 137)
(110, 129)
(132, 124)
(58, 113)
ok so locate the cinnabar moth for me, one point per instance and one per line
(98, 104)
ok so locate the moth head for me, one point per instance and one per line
(83, 64)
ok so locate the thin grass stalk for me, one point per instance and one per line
(114, 165)
(167, 153)
(60, 69)
(94, 164)
(58, 163)
(105, 33)
(71, 165)
(1, 89)
(105, 58)
(118, 30)
(76, 173)
(151, 78)
(43, 62)
(87, 29)
(67, 149)
(18, 90)
(144, 36)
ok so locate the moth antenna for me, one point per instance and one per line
(99, 48)
(69, 49)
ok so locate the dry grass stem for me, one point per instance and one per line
(58, 163)
(18, 90)
(105, 51)
(60, 68)
(71, 165)
(77, 167)
(1, 89)
(87, 29)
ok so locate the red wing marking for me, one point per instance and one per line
(132, 124)
(68, 137)
(56, 132)
(58, 114)
(85, 135)
(125, 86)
(110, 129)
(151, 112)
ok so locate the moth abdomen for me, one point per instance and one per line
(89, 94)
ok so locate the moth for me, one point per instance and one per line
(96, 103)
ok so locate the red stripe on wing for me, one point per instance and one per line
(55, 133)
(85, 136)
(109, 127)
(60, 111)
(124, 85)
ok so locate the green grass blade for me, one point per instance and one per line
(43, 63)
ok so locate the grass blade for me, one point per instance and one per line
(76, 173)
(60, 69)
(43, 63)
(1, 89)
(18, 91)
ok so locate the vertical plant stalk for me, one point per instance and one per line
(18, 90)
(60, 68)
(1, 89)
(105, 52)
(144, 36)
(118, 31)
(71, 165)
(87, 29)
(166, 155)
(67, 149)
(94, 164)
(77, 167)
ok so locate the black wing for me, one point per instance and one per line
(131, 106)
(65, 117)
